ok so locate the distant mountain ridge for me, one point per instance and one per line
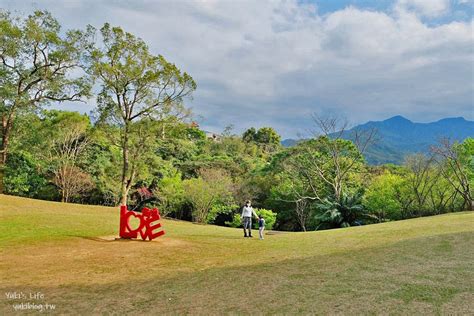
(398, 137)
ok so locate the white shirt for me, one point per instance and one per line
(247, 211)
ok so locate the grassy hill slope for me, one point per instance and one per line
(68, 253)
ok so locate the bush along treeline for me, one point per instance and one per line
(140, 146)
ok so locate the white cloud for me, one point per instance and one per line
(429, 8)
(276, 62)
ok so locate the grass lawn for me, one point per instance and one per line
(67, 252)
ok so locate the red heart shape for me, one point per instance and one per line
(137, 216)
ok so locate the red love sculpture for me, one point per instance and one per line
(148, 223)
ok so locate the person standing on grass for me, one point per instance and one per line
(246, 217)
(261, 226)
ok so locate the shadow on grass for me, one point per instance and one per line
(240, 236)
(109, 239)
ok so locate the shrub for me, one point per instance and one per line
(268, 216)
(219, 209)
(236, 221)
(345, 212)
(212, 189)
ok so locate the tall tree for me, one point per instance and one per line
(38, 65)
(345, 157)
(267, 135)
(249, 135)
(294, 190)
(321, 167)
(135, 85)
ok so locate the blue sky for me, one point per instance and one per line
(274, 63)
(328, 6)
(458, 10)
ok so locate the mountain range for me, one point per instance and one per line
(398, 137)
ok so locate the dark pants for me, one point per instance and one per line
(247, 223)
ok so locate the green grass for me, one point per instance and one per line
(67, 252)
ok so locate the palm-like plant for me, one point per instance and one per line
(345, 212)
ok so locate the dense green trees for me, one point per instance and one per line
(23, 176)
(141, 141)
(266, 137)
(418, 188)
(39, 65)
(171, 194)
(383, 197)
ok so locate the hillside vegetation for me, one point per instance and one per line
(398, 137)
(141, 144)
(68, 253)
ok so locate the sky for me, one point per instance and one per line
(276, 63)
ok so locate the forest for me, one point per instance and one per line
(142, 146)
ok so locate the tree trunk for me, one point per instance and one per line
(337, 192)
(125, 168)
(6, 128)
(4, 147)
(65, 195)
(126, 186)
(124, 190)
(2, 175)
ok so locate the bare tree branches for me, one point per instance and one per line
(72, 181)
(454, 169)
(343, 158)
(66, 150)
(422, 178)
(322, 167)
(302, 212)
